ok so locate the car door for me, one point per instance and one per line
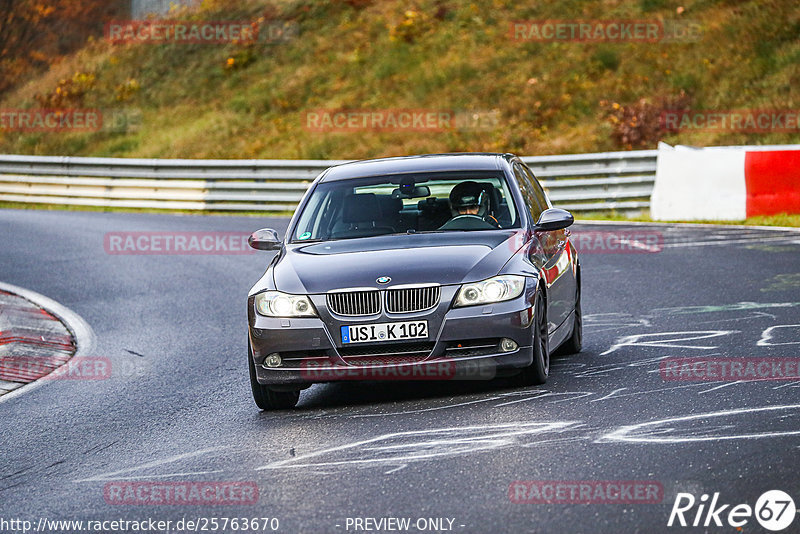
(552, 256)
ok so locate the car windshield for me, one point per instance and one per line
(394, 204)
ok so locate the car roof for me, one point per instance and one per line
(468, 161)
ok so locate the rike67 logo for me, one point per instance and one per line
(774, 510)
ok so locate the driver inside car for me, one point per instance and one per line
(470, 203)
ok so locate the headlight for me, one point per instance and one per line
(497, 289)
(277, 304)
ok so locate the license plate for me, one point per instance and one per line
(384, 332)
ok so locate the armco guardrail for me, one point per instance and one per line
(581, 182)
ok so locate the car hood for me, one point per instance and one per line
(443, 258)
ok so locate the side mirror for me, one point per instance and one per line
(554, 219)
(265, 239)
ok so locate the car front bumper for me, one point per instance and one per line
(464, 344)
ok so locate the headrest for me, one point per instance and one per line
(362, 207)
(390, 206)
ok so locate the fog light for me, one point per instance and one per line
(273, 360)
(508, 345)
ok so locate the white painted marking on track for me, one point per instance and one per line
(579, 395)
(114, 475)
(417, 445)
(422, 410)
(738, 306)
(670, 342)
(720, 386)
(609, 395)
(756, 315)
(639, 245)
(793, 384)
(755, 239)
(396, 469)
(649, 391)
(767, 335)
(653, 431)
(556, 440)
(601, 322)
(604, 369)
(168, 475)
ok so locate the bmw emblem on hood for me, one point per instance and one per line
(383, 280)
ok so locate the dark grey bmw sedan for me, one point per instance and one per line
(435, 267)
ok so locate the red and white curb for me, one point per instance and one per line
(725, 183)
(37, 330)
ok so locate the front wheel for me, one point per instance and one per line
(266, 398)
(538, 371)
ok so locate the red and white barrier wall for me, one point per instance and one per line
(725, 183)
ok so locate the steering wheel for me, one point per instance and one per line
(468, 222)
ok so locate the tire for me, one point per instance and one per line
(266, 398)
(538, 371)
(574, 344)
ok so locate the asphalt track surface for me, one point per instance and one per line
(178, 406)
